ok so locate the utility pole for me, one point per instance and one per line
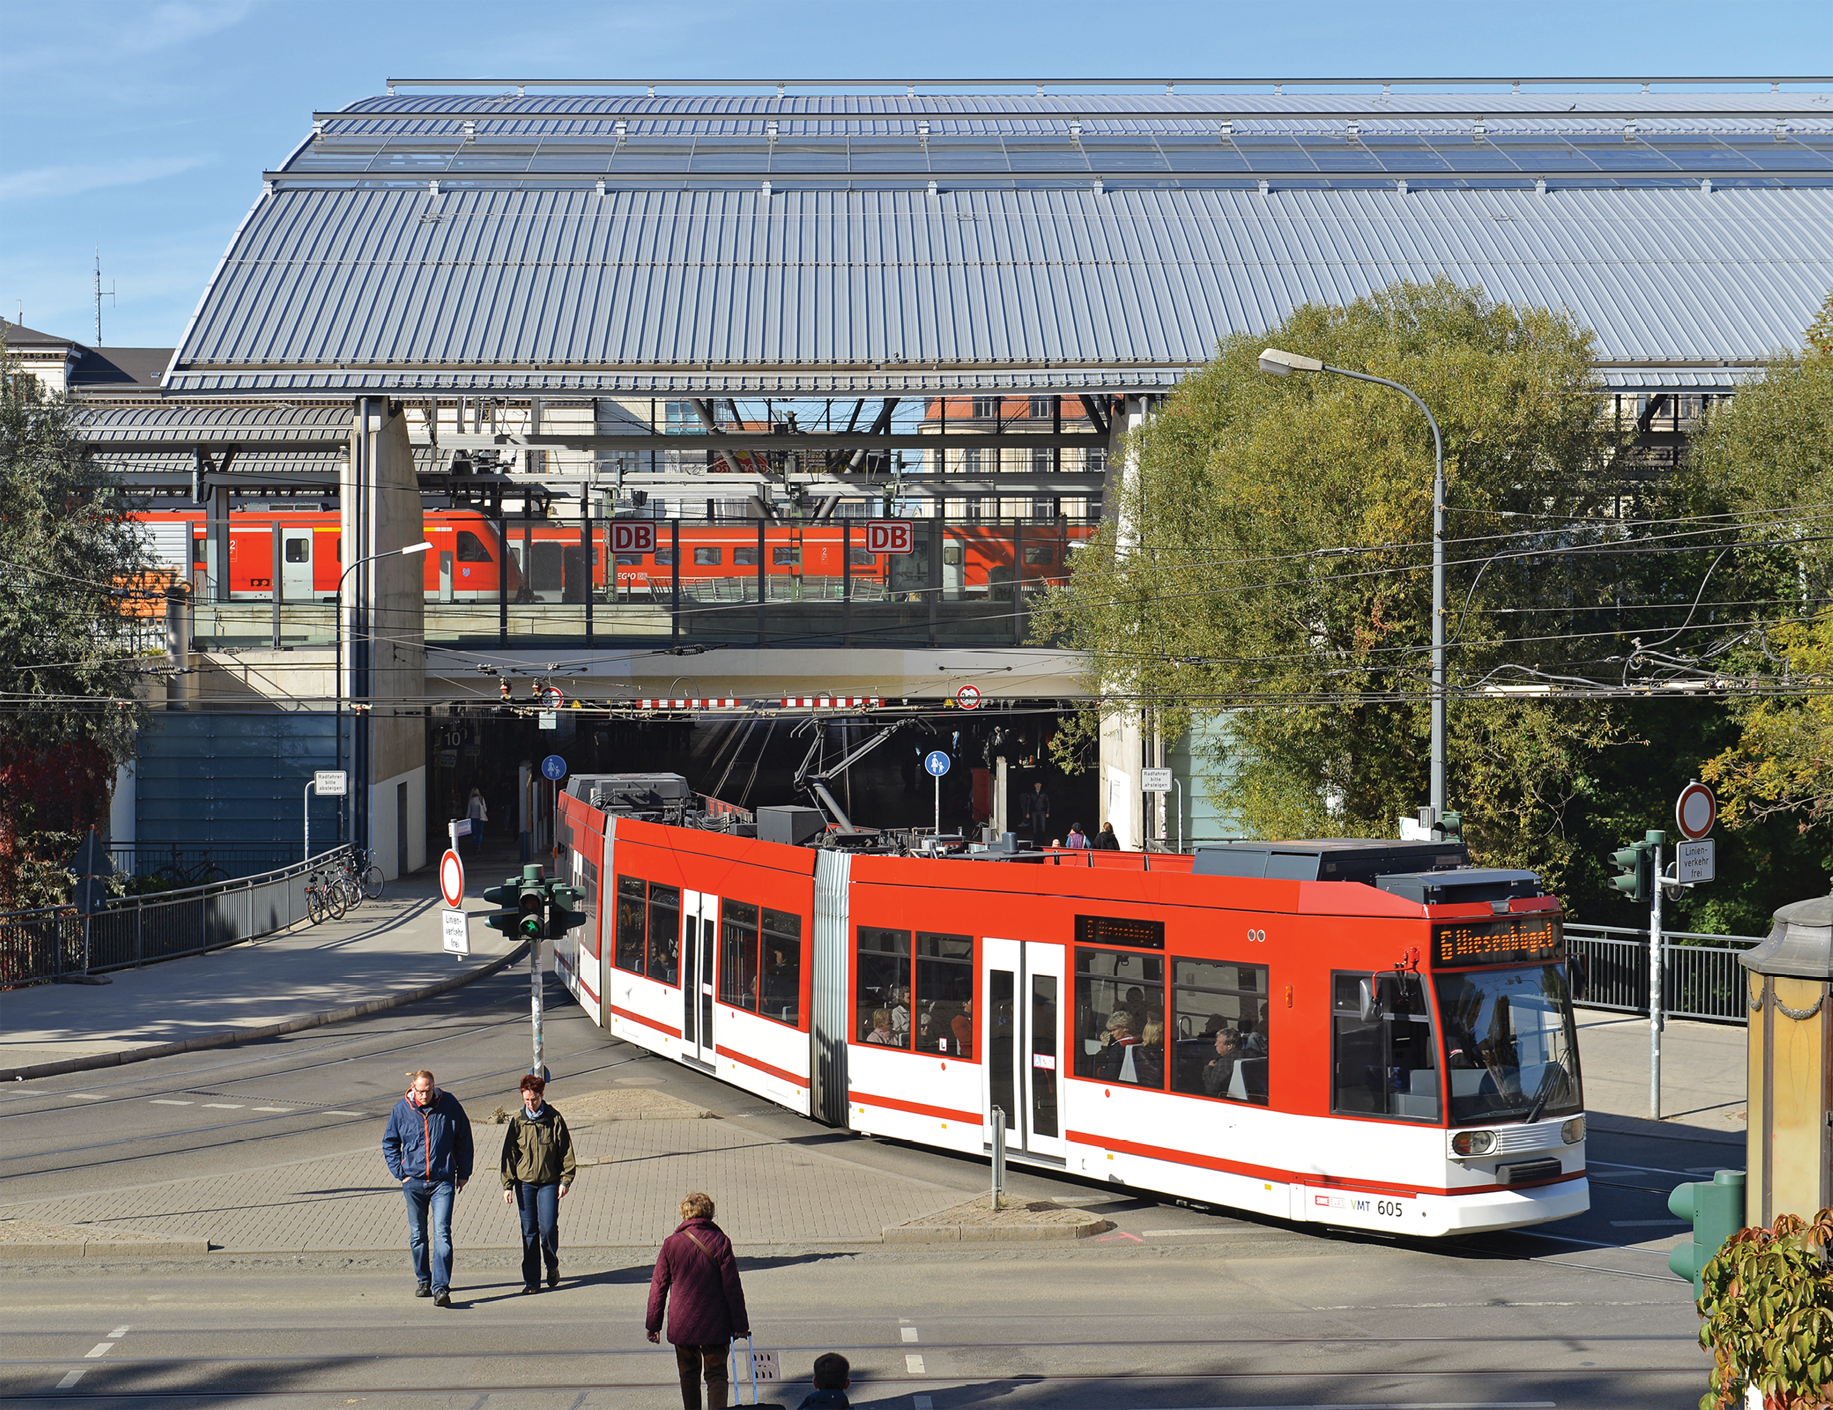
(99, 291)
(1655, 839)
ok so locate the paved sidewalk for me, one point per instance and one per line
(1704, 1076)
(381, 950)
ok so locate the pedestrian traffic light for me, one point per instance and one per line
(1635, 871)
(1716, 1210)
(1451, 827)
(563, 911)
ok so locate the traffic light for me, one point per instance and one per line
(563, 912)
(1451, 827)
(524, 902)
(1636, 871)
(507, 896)
(1716, 1210)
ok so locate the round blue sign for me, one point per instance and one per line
(936, 762)
(554, 767)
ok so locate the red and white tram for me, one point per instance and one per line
(1392, 1050)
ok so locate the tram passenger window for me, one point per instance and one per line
(664, 933)
(782, 964)
(738, 954)
(471, 548)
(1383, 1051)
(1212, 999)
(630, 922)
(883, 971)
(1119, 1033)
(944, 994)
(709, 557)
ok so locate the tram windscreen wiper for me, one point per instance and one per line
(1544, 1093)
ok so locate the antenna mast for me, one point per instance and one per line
(99, 291)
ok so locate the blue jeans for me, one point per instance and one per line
(430, 1197)
(540, 1207)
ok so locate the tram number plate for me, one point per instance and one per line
(1379, 1206)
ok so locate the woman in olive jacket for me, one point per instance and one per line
(538, 1169)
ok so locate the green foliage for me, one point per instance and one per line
(1270, 565)
(71, 571)
(1768, 1310)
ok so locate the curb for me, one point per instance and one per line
(234, 1036)
(992, 1233)
(103, 1248)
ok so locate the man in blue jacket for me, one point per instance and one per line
(428, 1149)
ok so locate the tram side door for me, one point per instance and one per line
(296, 564)
(1021, 1036)
(699, 942)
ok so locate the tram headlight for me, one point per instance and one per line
(1473, 1142)
(1573, 1131)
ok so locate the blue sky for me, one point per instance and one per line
(145, 127)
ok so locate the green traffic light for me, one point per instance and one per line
(1715, 1209)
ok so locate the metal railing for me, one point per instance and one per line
(1608, 968)
(40, 946)
(190, 863)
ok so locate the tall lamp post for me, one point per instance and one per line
(337, 678)
(1283, 364)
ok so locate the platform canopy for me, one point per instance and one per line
(606, 238)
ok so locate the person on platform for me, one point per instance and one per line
(833, 1374)
(1105, 841)
(538, 1169)
(1219, 1071)
(696, 1279)
(479, 813)
(1077, 838)
(1037, 811)
(427, 1147)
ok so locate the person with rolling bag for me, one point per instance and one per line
(696, 1279)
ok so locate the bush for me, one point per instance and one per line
(1768, 1309)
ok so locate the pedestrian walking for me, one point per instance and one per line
(696, 1277)
(1105, 841)
(1036, 805)
(479, 813)
(833, 1374)
(538, 1169)
(427, 1146)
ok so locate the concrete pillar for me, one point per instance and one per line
(1122, 739)
(384, 621)
(123, 804)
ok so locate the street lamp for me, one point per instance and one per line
(1283, 364)
(337, 677)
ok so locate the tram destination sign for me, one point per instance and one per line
(1528, 939)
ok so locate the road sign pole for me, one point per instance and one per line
(534, 1004)
(308, 824)
(1654, 983)
(938, 778)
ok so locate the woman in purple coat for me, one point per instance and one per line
(708, 1310)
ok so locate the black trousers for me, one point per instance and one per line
(692, 1362)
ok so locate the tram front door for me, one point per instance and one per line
(1021, 1030)
(699, 942)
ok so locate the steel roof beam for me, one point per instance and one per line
(989, 83)
(908, 117)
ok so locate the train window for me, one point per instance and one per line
(745, 557)
(738, 955)
(862, 558)
(665, 557)
(786, 557)
(630, 922)
(470, 548)
(299, 550)
(944, 994)
(664, 933)
(629, 560)
(709, 557)
(1219, 1033)
(1120, 1017)
(1042, 555)
(1383, 1052)
(782, 963)
(883, 993)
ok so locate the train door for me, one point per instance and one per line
(699, 942)
(1021, 1029)
(296, 564)
(445, 575)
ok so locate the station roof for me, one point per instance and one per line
(850, 244)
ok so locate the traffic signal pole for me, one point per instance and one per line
(1655, 996)
(534, 1005)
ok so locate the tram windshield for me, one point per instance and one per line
(1510, 1047)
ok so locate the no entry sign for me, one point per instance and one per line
(452, 880)
(968, 696)
(1695, 811)
(890, 536)
(633, 536)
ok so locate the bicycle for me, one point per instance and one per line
(368, 874)
(323, 898)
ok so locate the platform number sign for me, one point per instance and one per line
(890, 536)
(633, 536)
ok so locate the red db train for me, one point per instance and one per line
(547, 561)
(1358, 1033)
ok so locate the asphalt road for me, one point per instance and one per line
(1176, 1308)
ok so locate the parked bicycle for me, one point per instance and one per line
(324, 898)
(367, 874)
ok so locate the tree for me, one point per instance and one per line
(1268, 568)
(73, 578)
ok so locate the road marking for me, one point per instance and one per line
(88, 1096)
(117, 1333)
(1404, 1405)
(101, 1348)
(913, 1364)
(1123, 1234)
(161, 1101)
(72, 1378)
(223, 1106)
(909, 1333)
(1651, 1223)
(923, 1402)
(1649, 1169)
(1162, 1233)
(275, 1108)
(343, 1113)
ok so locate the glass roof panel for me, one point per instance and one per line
(967, 154)
(1406, 156)
(1342, 157)
(1124, 154)
(887, 156)
(1046, 156)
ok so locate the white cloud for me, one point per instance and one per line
(181, 22)
(68, 180)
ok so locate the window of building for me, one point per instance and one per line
(986, 408)
(470, 548)
(944, 998)
(1043, 460)
(683, 420)
(1219, 1030)
(1041, 409)
(1383, 1052)
(709, 557)
(883, 992)
(970, 461)
(1120, 1017)
(745, 557)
